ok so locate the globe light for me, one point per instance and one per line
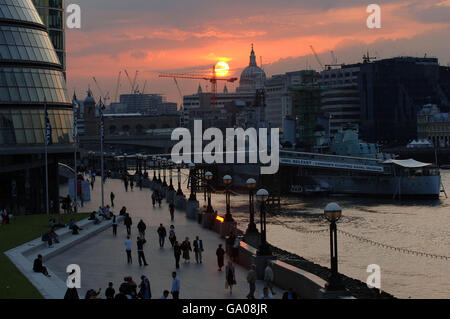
(262, 195)
(227, 179)
(333, 212)
(208, 176)
(251, 183)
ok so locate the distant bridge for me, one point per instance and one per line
(160, 143)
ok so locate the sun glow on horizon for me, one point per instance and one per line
(222, 68)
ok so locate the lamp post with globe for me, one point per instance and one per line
(209, 177)
(251, 184)
(333, 213)
(227, 180)
(264, 250)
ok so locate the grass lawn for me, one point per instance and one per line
(14, 285)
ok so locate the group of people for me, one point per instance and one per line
(157, 197)
(128, 289)
(51, 237)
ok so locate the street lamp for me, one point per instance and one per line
(333, 213)
(170, 165)
(159, 159)
(209, 177)
(164, 165)
(227, 180)
(251, 184)
(193, 195)
(264, 250)
(145, 164)
(179, 166)
(154, 168)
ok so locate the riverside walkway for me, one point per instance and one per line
(102, 258)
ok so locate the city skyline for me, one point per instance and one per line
(155, 36)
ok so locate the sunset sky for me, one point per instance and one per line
(155, 36)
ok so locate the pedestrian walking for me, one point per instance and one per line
(131, 184)
(162, 233)
(230, 278)
(92, 184)
(153, 199)
(128, 222)
(128, 245)
(114, 225)
(220, 253)
(177, 254)
(141, 228)
(251, 279)
(186, 247)
(140, 249)
(123, 211)
(125, 182)
(198, 249)
(112, 196)
(144, 288)
(172, 210)
(159, 198)
(175, 286)
(172, 235)
(268, 278)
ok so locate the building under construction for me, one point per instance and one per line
(306, 105)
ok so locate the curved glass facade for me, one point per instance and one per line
(21, 10)
(30, 85)
(52, 15)
(26, 44)
(31, 76)
(27, 126)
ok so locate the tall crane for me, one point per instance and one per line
(333, 57)
(132, 83)
(105, 97)
(145, 86)
(317, 57)
(179, 92)
(213, 79)
(134, 89)
(116, 93)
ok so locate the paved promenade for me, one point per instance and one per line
(102, 258)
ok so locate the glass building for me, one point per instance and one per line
(31, 76)
(52, 15)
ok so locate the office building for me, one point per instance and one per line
(53, 16)
(340, 96)
(393, 91)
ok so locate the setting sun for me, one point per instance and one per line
(222, 68)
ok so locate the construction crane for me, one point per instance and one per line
(317, 57)
(179, 91)
(367, 58)
(116, 93)
(213, 79)
(333, 57)
(105, 97)
(134, 88)
(143, 89)
(333, 62)
(132, 83)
